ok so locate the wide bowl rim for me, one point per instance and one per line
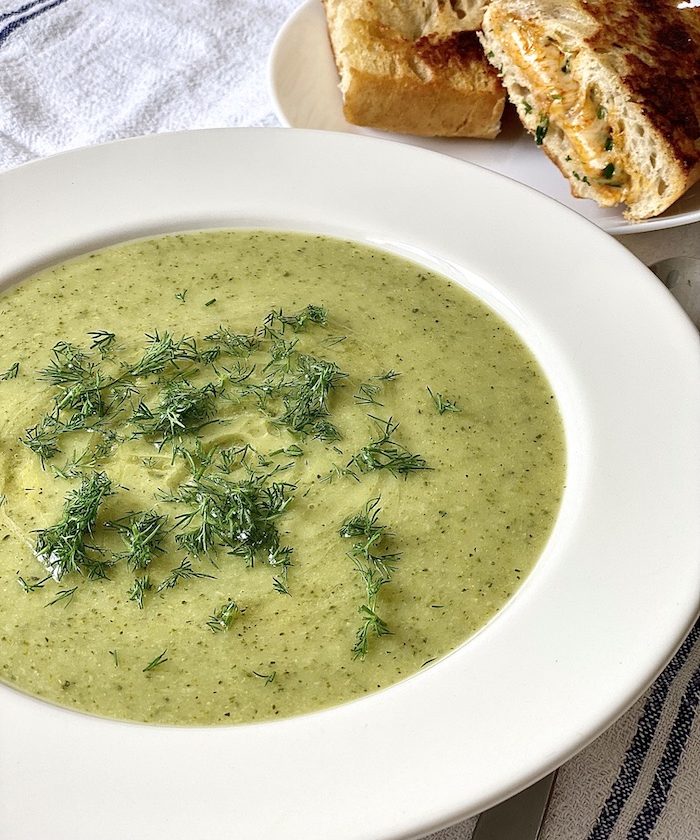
(509, 245)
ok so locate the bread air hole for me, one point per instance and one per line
(457, 10)
(661, 189)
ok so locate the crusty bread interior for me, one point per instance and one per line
(415, 67)
(576, 100)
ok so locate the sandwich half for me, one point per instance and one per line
(610, 90)
(415, 67)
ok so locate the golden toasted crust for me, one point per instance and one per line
(398, 78)
(610, 90)
(655, 45)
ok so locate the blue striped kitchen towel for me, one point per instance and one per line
(640, 780)
(77, 72)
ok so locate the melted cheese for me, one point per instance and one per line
(571, 106)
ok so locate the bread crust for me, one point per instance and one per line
(397, 77)
(610, 90)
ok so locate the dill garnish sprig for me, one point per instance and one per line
(280, 557)
(62, 547)
(154, 663)
(235, 344)
(10, 373)
(222, 618)
(182, 572)
(442, 403)
(311, 314)
(69, 365)
(138, 589)
(32, 587)
(281, 352)
(63, 595)
(306, 401)
(383, 452)
(142, 534)
(102, 341)
(372, 624)
(89, 458)
(238, 372)
(387, 376)
(197, 459)
(240, 516)
(80, 380)
(164, 350)
(374, 567)
(182, 408)
(367, 394)
(42, 439)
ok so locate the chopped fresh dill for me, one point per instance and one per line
(68, 366)
(306, 402)
(383, 452)
(182, 572)
(240, 516)
(182, 408)
(11, 372)
(267, 677)
(239, 372)
(181, 295)
(541, 129)
(364, 524)
(154, 663)
(62, 547)
(88, 459)
(101, 341)
(374, 567)
(142, 534)
(366, 394)
(293, 451)
(198, 461)
(281, 352)
(210, 302)
(222, 618)
(162, 351)
(442, 403)
(387, 376)
(280, 557)
(32, 587)
(138, 589)
(372, 625)
(115, 656)
(63, 595)
(310, 314)
(42, 439)
(236, 344)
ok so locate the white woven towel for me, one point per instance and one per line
(76, 72)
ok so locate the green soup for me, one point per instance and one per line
(253, 474)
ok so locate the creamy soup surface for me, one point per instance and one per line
(248, 474)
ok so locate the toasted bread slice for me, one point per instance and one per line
(610, 90)
(415, 67)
